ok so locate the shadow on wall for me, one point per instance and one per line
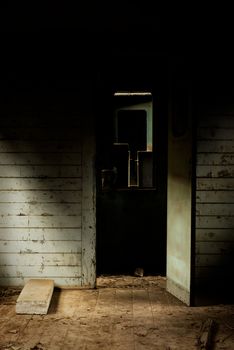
(40, 187)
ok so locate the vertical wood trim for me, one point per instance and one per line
(179, 208)
(88, 200)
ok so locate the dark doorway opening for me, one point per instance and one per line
(131, 209)
(131, 214)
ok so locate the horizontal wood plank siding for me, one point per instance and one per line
(40, 190)
(214, 198)
(49, 259)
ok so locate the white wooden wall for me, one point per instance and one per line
(215, 198)
(41, 190)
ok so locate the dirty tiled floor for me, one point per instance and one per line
(123, 313)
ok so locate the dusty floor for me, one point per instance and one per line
(122, 313)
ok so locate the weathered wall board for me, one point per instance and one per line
(41, 189)
(214, 199)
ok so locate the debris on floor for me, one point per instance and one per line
(206, 334)
(38, 346)
(124, 313)
(139, 272)
(8, 296)
(8, 292)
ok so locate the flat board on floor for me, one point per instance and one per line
(35, 297)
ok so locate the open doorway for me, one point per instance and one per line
(131, 185)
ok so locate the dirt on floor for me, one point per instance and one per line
(123, 312)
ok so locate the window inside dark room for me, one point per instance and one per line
(132, 150)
